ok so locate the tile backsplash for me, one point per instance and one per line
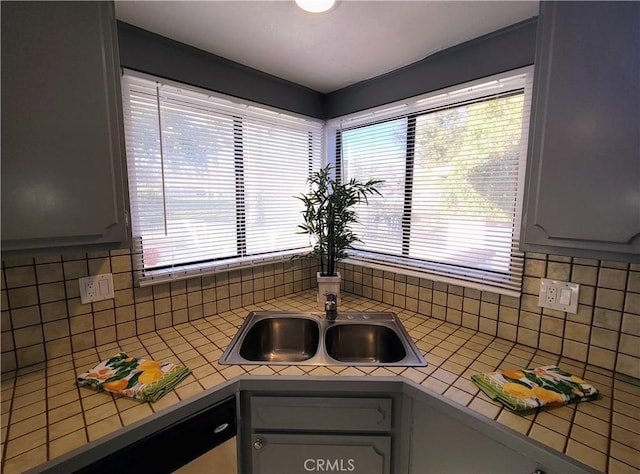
(43, 318)
(604, 332)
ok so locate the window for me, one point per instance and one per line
(212, 180)
(452, 164)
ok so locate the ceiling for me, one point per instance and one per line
(355, 41)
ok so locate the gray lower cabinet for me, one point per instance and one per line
(582, 194)
(296, 435)
(450, 439)
(301, 453)
(441, 444)
(63, 158)
(366, 425)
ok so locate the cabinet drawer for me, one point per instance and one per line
(318, 413)
(298, 453)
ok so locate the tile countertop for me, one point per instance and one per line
(44, 413)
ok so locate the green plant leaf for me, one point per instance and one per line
(328, 214)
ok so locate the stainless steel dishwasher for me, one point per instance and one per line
(176, 445)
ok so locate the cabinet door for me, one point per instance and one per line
(63, 175)
(446, 440)
(299, 453)
(582, 195)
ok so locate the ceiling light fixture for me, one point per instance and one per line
(316, 6)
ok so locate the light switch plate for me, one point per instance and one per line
(96, 288)
(560, 295)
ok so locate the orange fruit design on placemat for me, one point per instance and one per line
(513, 374)
(517, 390)
(547, 395)
(116, 385)
(150, 375)
(147, 365)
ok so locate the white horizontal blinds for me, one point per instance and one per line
(378, 152)
(212, 183)
(142, 138)
(451, 165)
(276, 168)
(464, 189)
(184, 190)
(199, 177)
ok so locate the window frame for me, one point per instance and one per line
(411, 108)
(314, 158)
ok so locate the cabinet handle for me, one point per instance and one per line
(258, 444)
(221, 428)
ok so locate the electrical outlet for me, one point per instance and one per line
(91, 290)
(96, 288)
(560, 295)
(552, 294)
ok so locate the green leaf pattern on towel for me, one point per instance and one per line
(533, 388)
(517, 381)
(134, 380)
(137, 378)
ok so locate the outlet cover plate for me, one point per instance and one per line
(96, 288)
(560, 295)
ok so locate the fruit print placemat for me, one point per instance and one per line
(522, 390)
(144, 380)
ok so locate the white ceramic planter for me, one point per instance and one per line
(328, 284)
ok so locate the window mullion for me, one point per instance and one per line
(408, 190)
(310, 156)
(338, 156)
(241, 217)
(161, 134)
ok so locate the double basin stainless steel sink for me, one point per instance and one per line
(354, 338)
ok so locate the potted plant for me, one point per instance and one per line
(328, 215)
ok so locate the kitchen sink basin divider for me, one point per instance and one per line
(353, 338)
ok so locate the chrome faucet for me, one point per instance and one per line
(331, 306)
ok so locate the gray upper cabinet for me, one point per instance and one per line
(582, 194)
(63, 158)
